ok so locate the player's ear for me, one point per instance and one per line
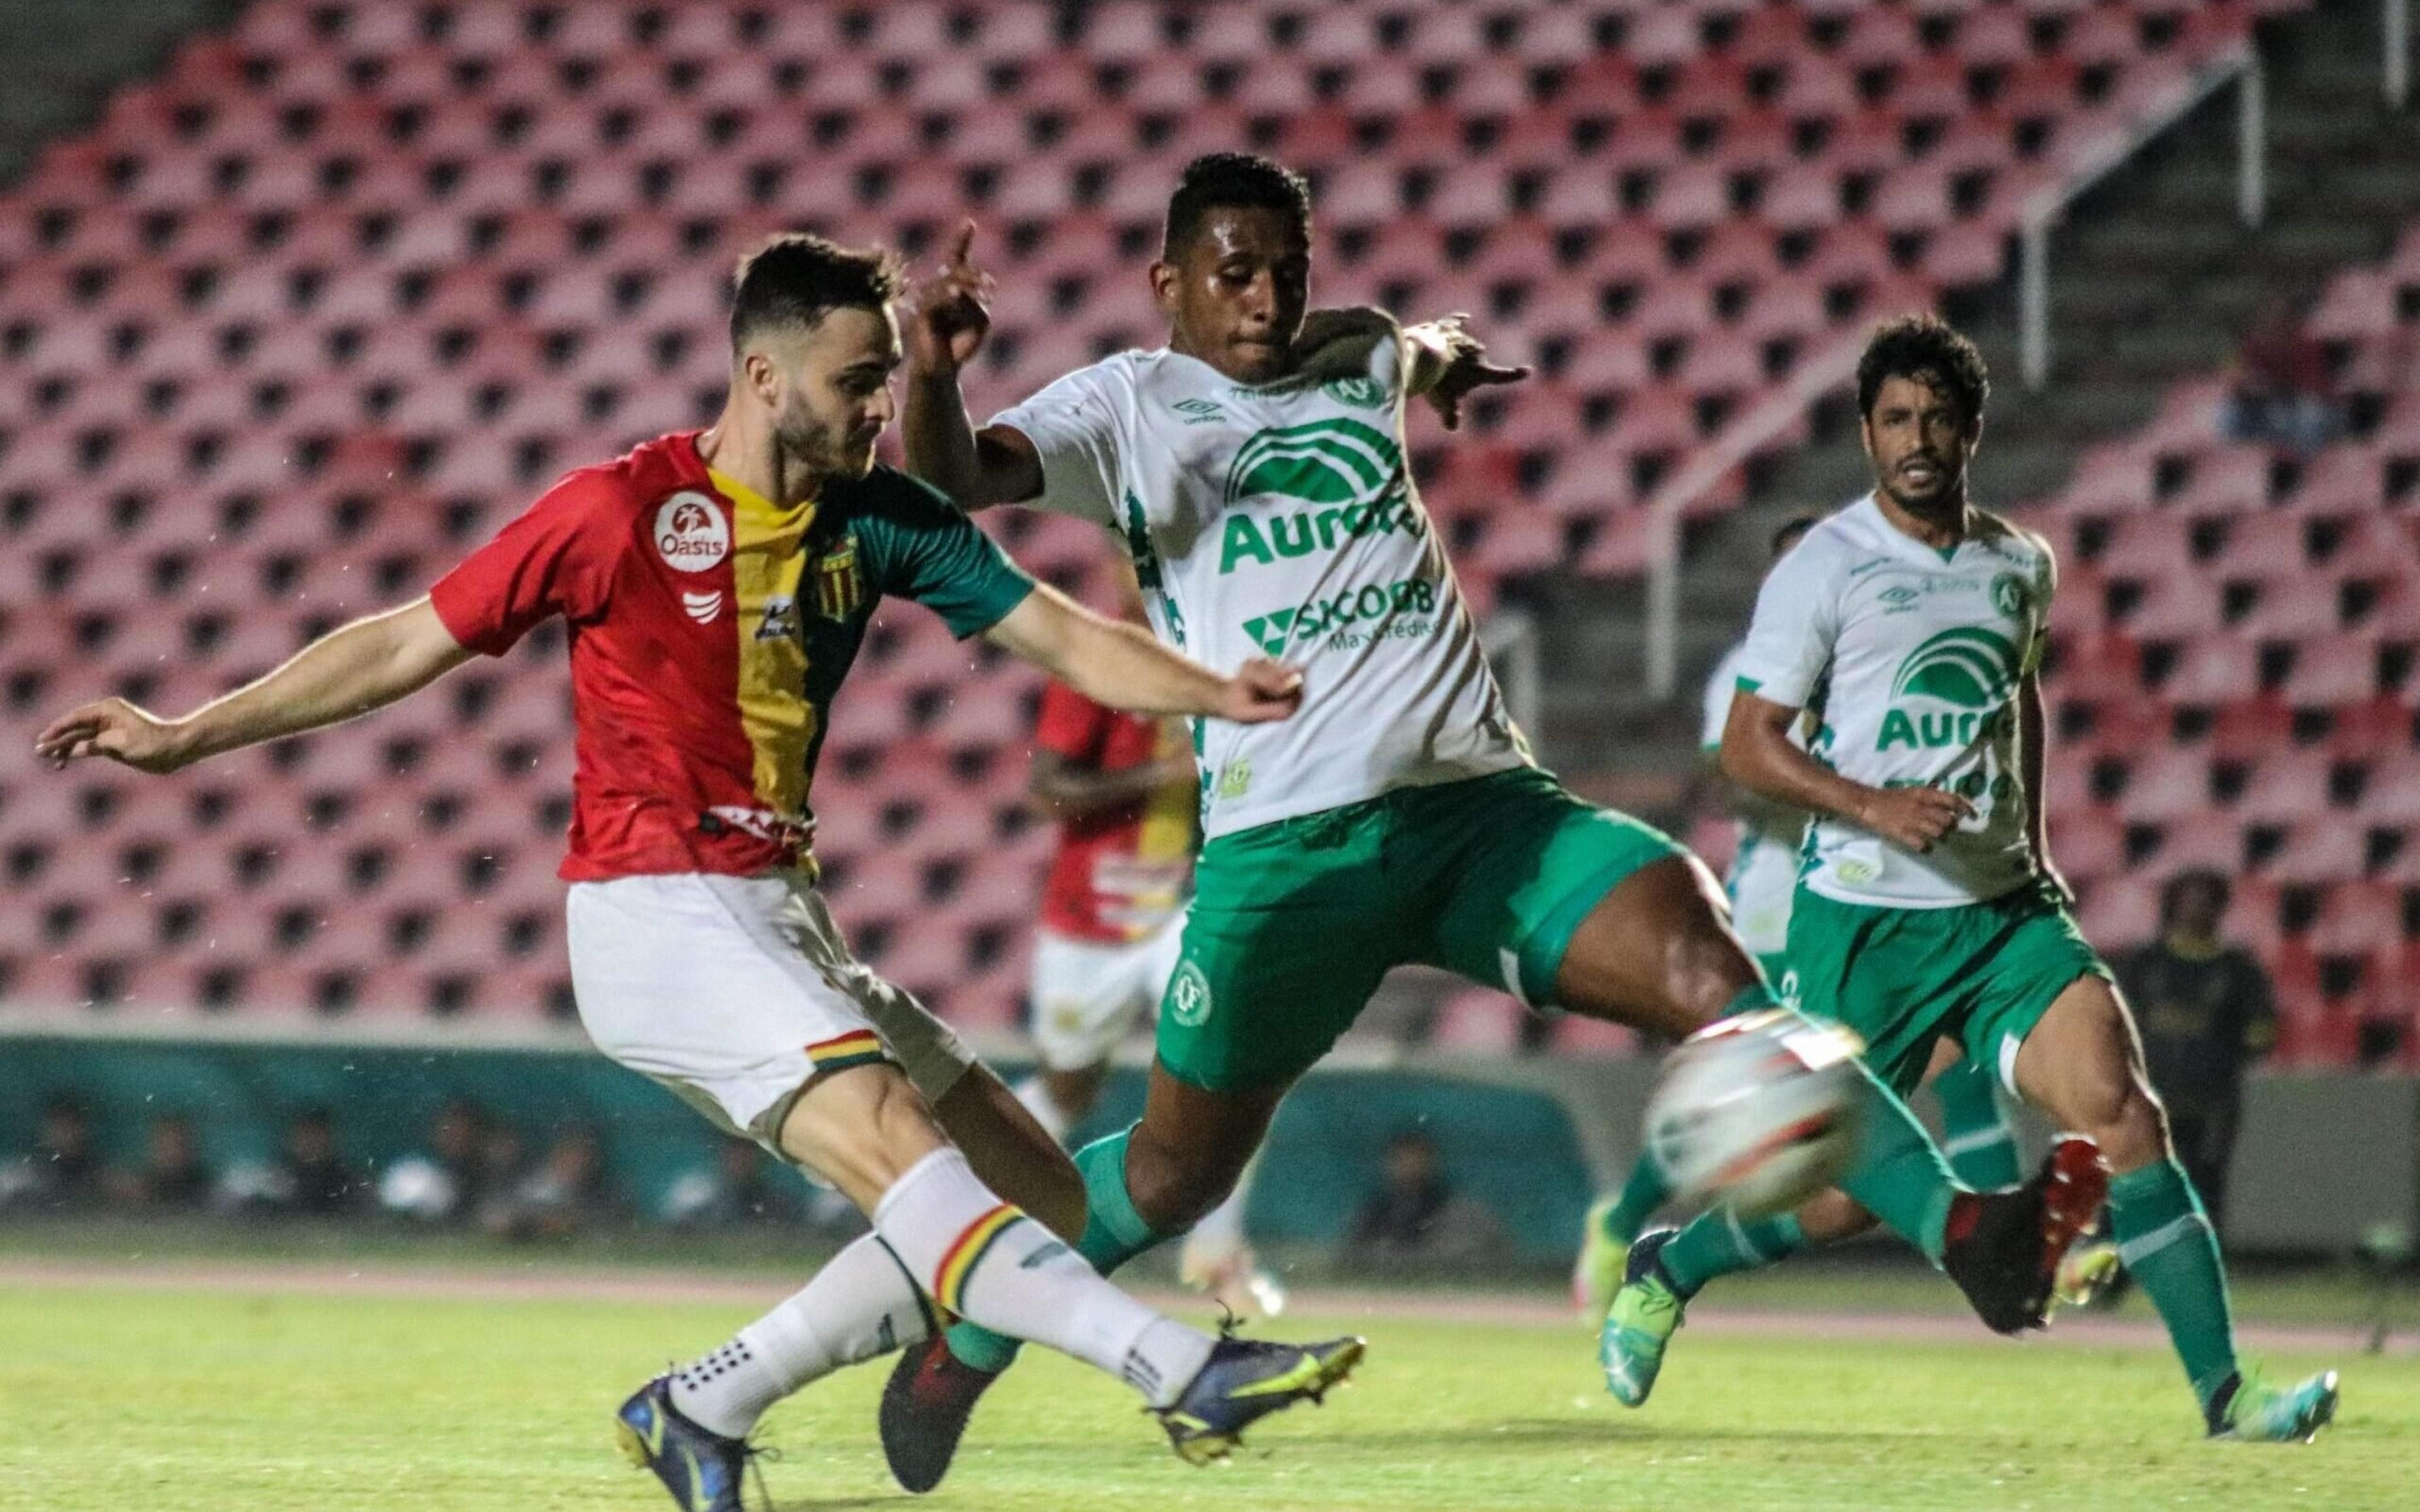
(1163, 284)
(762, 376)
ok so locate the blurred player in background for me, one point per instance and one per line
(717, 585)
(1255, 467)
(1928, 906)
(1977, 1138)
(1124, 792)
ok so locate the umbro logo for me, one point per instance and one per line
(1198, 412)
(703, 607)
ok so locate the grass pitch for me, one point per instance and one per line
(167, 1400)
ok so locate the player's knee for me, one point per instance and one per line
(2136, 1131)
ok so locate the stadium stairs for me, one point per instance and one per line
(2154, 278)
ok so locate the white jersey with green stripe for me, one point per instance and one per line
(1281, 520)
(1925, 650)
(1764, 867)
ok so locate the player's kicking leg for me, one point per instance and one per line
(2083, 1065)
(868, 1130)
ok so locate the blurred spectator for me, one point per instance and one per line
(563, 1195)
(2283, 393)
(1417, 1216)
(741, 1190)
(445, 1181)
(320, 1182)
(2204, 1012)
(172, 1177)
(60, 1173)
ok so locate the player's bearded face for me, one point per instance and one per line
(1237, 291)
(1918, 440)
(838, 402)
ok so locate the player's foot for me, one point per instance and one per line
(2250, 1410)
(2004, 1247)
(1247, 1379)
(702, 1470)
(1596, 1275)
(1234, 1279)
(1639, 1322)
(924, 1409)
(2089, 1276)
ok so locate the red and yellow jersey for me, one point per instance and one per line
(1117, 875)
(710, 628)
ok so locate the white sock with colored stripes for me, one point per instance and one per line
(986, 1261)
(860, 1305)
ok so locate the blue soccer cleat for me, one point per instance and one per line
(1246, 1381)
(702, 1469)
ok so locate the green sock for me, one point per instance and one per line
(1974, 1133)
(1114, 1233)
(1645, 1192)
(1717, 1243)
(2166, 1242)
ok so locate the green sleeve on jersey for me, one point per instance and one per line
(921, 545)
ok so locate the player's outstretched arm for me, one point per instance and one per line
(1121, 665)
(349, 671)
(944, 331)
(1758, 756)
(1446, 362)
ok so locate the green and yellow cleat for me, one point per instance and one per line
(2087, 1275)
(701, 1469)
(1247, 1379)
(1640, 1323)
(2257, 1413)
(1596, 1275)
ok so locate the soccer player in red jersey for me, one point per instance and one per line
(1124, 790)
(716, 585)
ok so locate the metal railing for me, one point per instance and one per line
(1831, 366)
(2238, 64)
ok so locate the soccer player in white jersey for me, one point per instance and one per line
(1977, 1138)
(1255, 468)
(1928, 906)
(717, 585)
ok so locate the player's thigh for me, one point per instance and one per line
(1291, 928)
(1088, 994)
(1529, 877)
(687, 980)
(2041, 981)
(1896, 976)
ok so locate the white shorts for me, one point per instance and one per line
(736, 992)
(1088, 994)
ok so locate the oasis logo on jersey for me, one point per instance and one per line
(1338, 614)
(1966, 666)
(691, 534)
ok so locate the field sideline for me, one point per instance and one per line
(194, 1384)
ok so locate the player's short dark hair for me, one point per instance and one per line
(2172, 895)
(1786, 534)
(1233, 181)
(796, 278)
(1927, 348)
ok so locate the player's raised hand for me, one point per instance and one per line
(1262, 692)
(950, 322)
(1466, 368)
(1914, 819)
(115, 729)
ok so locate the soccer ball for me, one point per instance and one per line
(1759, 1111)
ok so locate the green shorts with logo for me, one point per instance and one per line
(1903, 978)
(1295, 922)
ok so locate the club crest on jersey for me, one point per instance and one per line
(690, 532)
(840, 582)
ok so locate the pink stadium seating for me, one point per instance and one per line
(285, 279)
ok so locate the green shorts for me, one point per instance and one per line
(1295, 922)
(1903, 978)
